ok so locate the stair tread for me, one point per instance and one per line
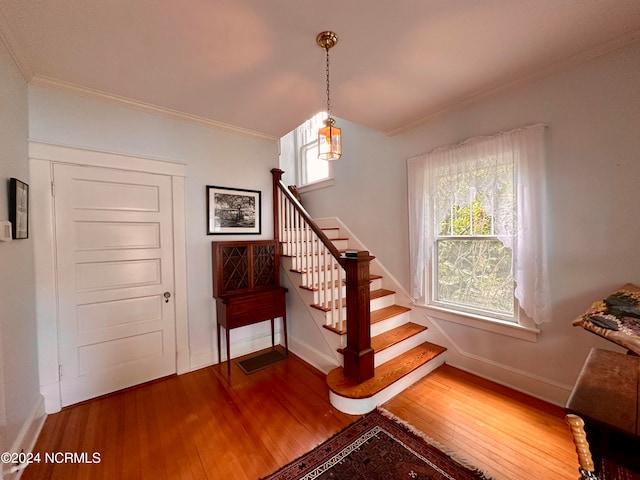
(382, 292)
(385, 375)
(387, 312)
(395, 336)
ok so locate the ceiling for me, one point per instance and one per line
(253, 65)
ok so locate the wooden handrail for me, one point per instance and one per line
(279, 185)
(358, 354)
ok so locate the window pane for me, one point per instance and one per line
(314, 168)
(475, 273)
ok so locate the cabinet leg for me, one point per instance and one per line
(273, 335)
(226, 330)
(219, 350)
(284, 329)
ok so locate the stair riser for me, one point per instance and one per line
(390, 323)
(386, 301)
(361, 406)
(399, 348)
(375, 305)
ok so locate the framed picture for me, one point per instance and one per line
(19, 208)
(233, 211)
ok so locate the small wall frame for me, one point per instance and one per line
(233, 211)
(19, 208)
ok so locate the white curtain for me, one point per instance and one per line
(483, 168)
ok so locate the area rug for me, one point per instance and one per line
(379, 446)
(264, 360)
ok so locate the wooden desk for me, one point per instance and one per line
(246, 286)
(233, 311)
(606, 397)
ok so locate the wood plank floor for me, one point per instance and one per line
(508, 434)
(203, 425)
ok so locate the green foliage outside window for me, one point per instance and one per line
(473, 271)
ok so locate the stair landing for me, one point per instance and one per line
(390, 378)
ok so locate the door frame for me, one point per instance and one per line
(42, 157)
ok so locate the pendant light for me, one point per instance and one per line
(329, 136)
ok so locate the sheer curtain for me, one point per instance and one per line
(506, 173)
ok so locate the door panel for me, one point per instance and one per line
(112, 235)
(101, 315)
(114, 251)
(106, 275)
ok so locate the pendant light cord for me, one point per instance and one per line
(328, 94)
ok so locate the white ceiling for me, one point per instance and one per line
(254, 64)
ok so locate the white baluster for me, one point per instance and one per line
(341, 324)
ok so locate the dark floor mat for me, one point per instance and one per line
(264, 360)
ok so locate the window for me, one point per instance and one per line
(471, 265)
(311, 170)
(477, 240)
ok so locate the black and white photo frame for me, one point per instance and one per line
(233, 211)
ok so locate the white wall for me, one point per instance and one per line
(19, 391)
(593, 114)
(212, 157)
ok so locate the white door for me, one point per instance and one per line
(114, 251)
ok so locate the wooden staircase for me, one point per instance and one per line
(401, 354)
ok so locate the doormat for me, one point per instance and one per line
(264, 360)
(379, 446)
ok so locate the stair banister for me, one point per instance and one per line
(278, 185)
(358, 354)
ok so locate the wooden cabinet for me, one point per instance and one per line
(246, 287)
(606, 397)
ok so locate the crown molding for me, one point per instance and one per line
(564, 64)
(8, 39)
(94, 94)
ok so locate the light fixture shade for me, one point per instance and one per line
(329, 141)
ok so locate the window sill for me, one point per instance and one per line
(502, 327)
(328, 182)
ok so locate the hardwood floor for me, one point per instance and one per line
(508, 434)
(203, 425)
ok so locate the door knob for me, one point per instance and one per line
(167, 296)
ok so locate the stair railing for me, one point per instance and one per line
(325, 269)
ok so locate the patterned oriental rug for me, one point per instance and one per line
(379, 446)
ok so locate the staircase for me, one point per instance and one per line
(401, 354)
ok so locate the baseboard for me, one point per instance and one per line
(26, 439)
(51, 395)
(183, 361)
(312, 356)
(524, 382)
(520, 380)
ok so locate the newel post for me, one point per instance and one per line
(277, 176)
(358, 354)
